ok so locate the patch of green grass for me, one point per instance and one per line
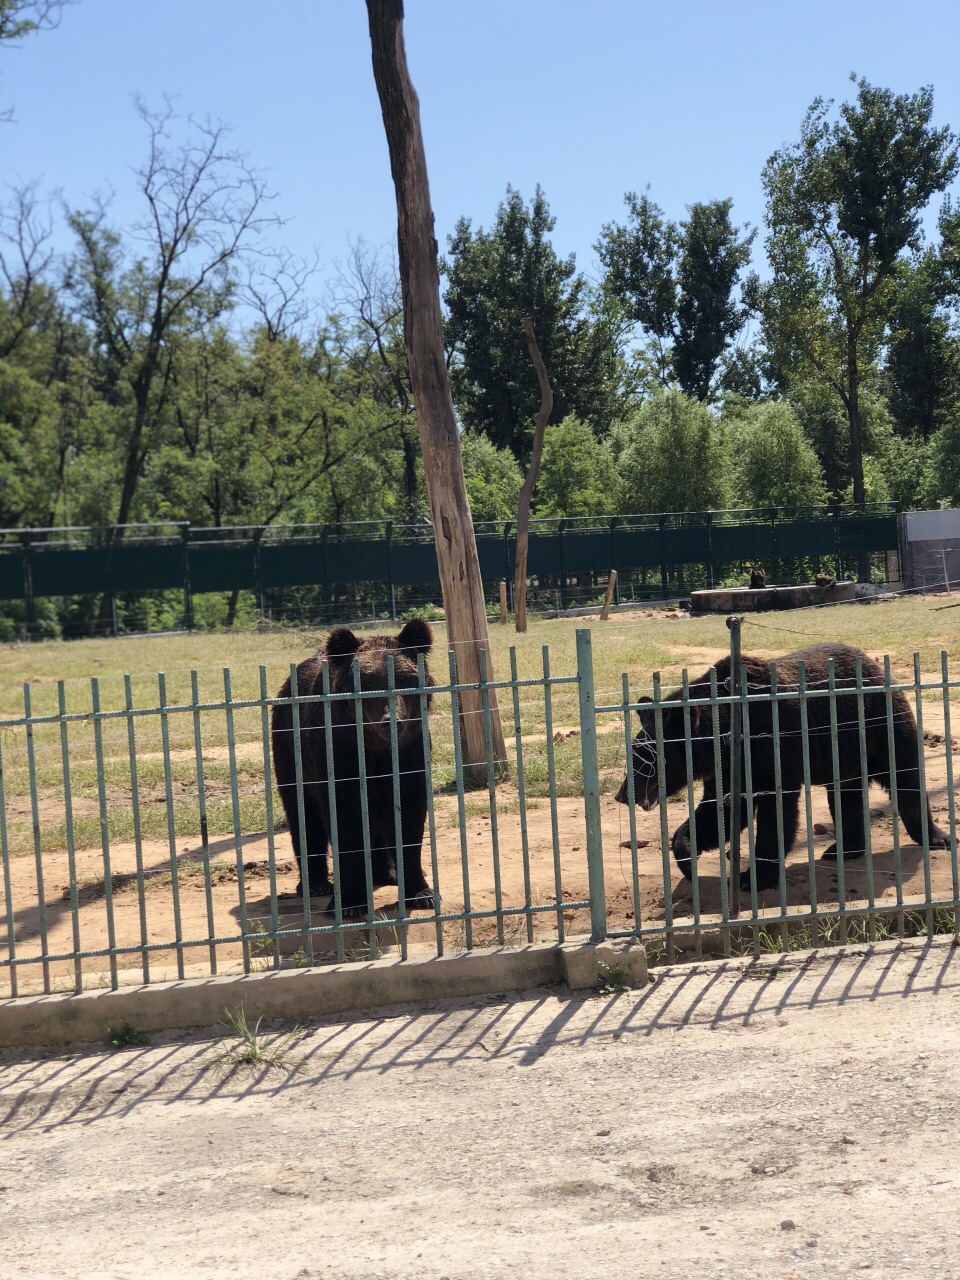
(252, 1048)
(612, 979)
(124, 1035)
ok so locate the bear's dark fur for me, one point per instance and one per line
(340, 649)
(820, 737)
(825, 580)
(758, 579)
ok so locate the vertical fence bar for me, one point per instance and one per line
(491, 790)
(922, 788)
(461, 806)
(721, 812)
(837, 797)
(397, 810)
(808, 795)
(71, 843)
(552, 787)
(204, 826)
(894, 799)
(137, 829)
(664, 822)
(171, 821)
(691, 812)
(428, 785)
(631, 803)
(865, 786)
(332, 808)
(750, 801)
(736, 735)
(364, 811)
(521, 796)
(235, 813)
(591, 785)
(37, 849)
(104, 830)
(268, 806)
(951, 793)
(778, 794)
(7, 883)
(307, 921)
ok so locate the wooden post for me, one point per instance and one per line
(608, 598)
(530, 483)
(457, 559)
(503, 603)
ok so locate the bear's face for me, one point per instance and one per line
(372, 654)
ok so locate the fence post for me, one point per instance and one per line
(591, 787)
(187, 590)
(736, 735)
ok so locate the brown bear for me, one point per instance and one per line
(821, 742)
(340, 649)
(758, 579)
(825, 580)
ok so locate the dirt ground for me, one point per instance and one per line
(221, 917)
(795, 1118)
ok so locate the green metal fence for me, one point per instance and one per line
(43, 563)
(141, 832)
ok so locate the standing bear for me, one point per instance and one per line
(340, 649)
(829, 750)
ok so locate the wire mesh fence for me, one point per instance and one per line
(179, 827)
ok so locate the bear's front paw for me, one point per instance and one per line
(422, 900)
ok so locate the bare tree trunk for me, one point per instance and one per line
(457, 558)
(530, 483)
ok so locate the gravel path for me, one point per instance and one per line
(793, 1118)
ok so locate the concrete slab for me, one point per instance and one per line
(311, 993)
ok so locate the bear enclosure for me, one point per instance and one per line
(142, 839)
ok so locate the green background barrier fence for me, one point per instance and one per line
(39, 563)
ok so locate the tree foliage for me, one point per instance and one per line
(843, 206)
(494, 279)
(678, 283)
(673, 456)
(775, 465)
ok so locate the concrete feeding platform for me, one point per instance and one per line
(761, 599)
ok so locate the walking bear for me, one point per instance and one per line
(340, 649)
(824, 747)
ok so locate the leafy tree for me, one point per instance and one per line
(673, 456)
(203, 205)
(492, 476)
(923, 363)
(578, 476)
(843, 206)
(775, 464)
(677, 282)
(494, 279)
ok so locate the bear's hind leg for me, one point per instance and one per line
(851, 818)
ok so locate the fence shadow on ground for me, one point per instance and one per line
(517, 1032)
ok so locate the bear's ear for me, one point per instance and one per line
(341, 645)
(416, 636)
(643, 699)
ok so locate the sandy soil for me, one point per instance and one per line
(221, 918)
(790, 1119)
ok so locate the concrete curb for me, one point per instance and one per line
(312, 993)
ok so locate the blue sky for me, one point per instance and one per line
(590, 98)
